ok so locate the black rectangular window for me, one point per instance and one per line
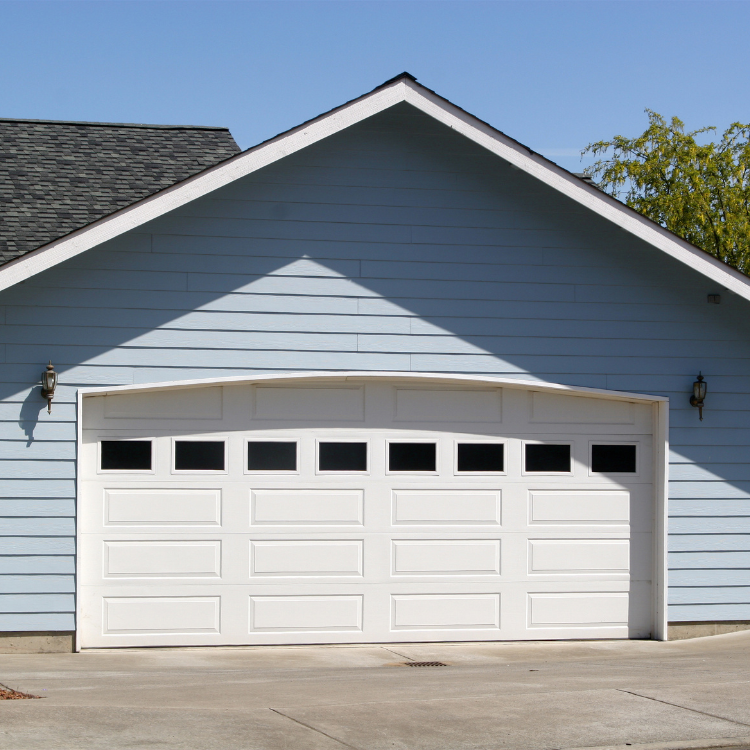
(617, 459)
(342, 457)
(199, 455)
(126, 455)
(412, 457)
(271, 455)
(477, 457)
(541, 457)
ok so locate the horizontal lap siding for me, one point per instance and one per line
(395, 245)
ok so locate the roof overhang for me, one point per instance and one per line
(401, 89)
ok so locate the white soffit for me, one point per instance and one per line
(401, 89)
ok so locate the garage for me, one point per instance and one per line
(367, 509)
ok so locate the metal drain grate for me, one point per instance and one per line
(425, 664)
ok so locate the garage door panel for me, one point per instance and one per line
(575, 509)
(578, 609)
(305, 614)
(447, 557)
(306, 507)
(298, 404)
(578, 507)
(162, 559)
(116, 506)
(447, 507)
(162, 507)
(162, 614)
(445, 611)
(306, 558)
(579, 556)
(554, 408)
(448, 405)
(122, 559)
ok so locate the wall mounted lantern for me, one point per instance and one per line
(699, 393)
(49, 383)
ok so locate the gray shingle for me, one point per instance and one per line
(56, 177)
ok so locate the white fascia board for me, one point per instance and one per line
(439, 378)
(343, 117)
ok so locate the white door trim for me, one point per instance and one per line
(661, 447)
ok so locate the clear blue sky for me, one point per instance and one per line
(555, 75)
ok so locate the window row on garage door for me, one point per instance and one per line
(343, 456)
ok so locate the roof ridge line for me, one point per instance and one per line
(112, 124)
(399, 77)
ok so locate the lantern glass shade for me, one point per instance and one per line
(699, 390)
(50, 380)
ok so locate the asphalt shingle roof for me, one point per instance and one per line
(56, 177)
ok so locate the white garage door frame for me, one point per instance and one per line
(660, 411)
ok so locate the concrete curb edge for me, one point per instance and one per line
(708, 744)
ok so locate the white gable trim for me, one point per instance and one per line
(400, 90)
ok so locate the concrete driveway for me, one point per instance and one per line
(688, 694)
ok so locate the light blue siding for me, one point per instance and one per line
(720, 490)
(709, 595)
(37, 564)
(688, 472)
(39, 488)
(171, 339)
(23, 429)
(37, 603)
(686, 511)
(28, 508)
(395, 245)
(38, 449)
(37, 545)
(41, 621)
(36, 469)
(686, 561)
(37, 584)
(710, 577)
(737, 523)
(709, 542)
(34, 526)
(709, 612)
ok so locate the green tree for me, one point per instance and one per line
(700, 191)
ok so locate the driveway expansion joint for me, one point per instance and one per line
(686, 708)
(403, 656)
(314, 729)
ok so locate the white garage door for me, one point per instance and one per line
(368, 511)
